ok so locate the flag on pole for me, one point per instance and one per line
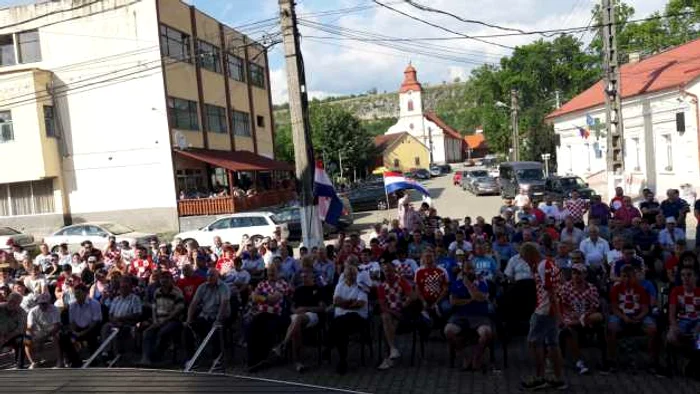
(590, 121)
(393, 182)
(330, 207)
(584, 132)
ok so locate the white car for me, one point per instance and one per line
(26, 241)
(234, 228)
(98, 233)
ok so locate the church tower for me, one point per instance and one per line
(411, 100)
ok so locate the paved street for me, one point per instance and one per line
(432, 374)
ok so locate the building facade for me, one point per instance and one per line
(99, 99)
(401, 152)
(660, 119)
(445, 144)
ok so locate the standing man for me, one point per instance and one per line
(544, 323)
(616, 201)
(600, 213)
(577, 207)
(649, 207)
(676, 207)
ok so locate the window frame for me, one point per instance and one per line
(50, 121)
(11, 55)
(10, 125)
(194, 119)
(206, 50)
(260, 121)
(256, 75)
(9, 207)
(236, 119)
(231, 65)
(18, 42)
(215, 112)
(184, 42)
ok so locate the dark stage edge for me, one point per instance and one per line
(127, 380)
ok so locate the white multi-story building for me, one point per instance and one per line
(660, 119)
(109, 110)
(445, 144)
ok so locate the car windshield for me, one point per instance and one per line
(116, 229)
(479, 174)
(572, 182)
(276, 220)
(529, 174)
(8, 231)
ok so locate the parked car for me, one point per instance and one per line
(446, 168)
(485, 185)
(560, 187)
(435, 171)
(422, 173)
(26, 241)
(470, 176)
(370, 198)
(233, 228)
(457, 177)
(522, 175)
(493, 172)
(97, 233)
(291, 216)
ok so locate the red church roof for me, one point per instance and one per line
(410, 81)
(673, 68)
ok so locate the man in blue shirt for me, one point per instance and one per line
(470, 308)
(675, 207)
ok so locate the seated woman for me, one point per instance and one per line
(268, 321)
(350, 313)
(308, 304)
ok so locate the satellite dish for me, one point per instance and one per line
(180, 140)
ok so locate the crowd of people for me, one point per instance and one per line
(569, 271)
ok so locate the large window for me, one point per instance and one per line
(27, 198)
(235, 67)
(49, 121)
(28, 46)
(216, 118)
(241, 124)
(208, 56)
(183, 114)
(7, 133)
(7, 51)
(257, 75)
(175, 44)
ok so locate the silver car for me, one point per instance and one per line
(485, 185)
(10, 235)
(98, 233)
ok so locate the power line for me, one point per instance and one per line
(442, 27)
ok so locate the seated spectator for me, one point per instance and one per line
(503, 250)
(36, 282)
(43, 323)
(485, 265)
(548, 207)
(350, 314)
(142, 266)
(324, 268)
(65, 285)
(405, 267)
(580, 313)
(308, 305)
(397, 305)
(684, 310)
(189, 283)
(253, 263)
(209, 306)
(571, 233)
(518, 269)
(370, 267)
(238, 281)
(671, 263)
(627, 212)
(87, 251)
(668, 237)
(168, 308)
(628, 258)
(84, 319)
(124, 312)
(225, 263)
(469, 299)
(594, 249)
(615, 252)
(13, 320)
(547, 245)
(629, 304)
(460, 243)
(288, 266)
(432, 286)
(417, 245)
(43, 260)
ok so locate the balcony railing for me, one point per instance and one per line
(224, 205)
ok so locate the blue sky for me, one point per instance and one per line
(336, 66)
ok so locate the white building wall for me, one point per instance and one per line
(649, 120)
(112, 112)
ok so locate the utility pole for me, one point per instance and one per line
(514, 122)
(311, 232)
(612, 91)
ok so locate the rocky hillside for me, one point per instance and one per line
(374, 107)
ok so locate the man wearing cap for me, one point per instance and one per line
(43, 323)
(579, 306)
(669, 235)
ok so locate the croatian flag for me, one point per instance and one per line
(393, 181)
(330, 207)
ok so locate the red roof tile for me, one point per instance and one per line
(410, 81)
(475, 141)
(241, 160)
(670, 69)
(431, 116)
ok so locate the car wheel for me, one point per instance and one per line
(382, 206)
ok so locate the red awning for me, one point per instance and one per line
(235, 160)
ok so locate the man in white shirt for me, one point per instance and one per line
(43, 323)
(350, 314)
(521, 199)
(571, 233)
(549, 208)
(518, 269)
(594, 248)
(460, 243)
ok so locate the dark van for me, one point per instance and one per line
(522, 175)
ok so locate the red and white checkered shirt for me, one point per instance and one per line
(575, 302)
(394, 294)
(430, 282)
(630, 299)
(267, 288)
(547, 280)
(141, 268)
(576, 208)
(688, 303)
